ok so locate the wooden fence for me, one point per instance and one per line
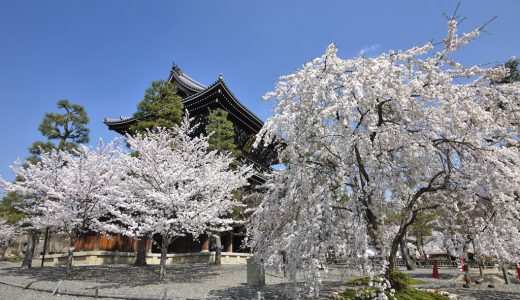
(428, 263)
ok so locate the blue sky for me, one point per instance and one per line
(103, 54)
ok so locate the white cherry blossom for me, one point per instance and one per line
(176, 186)
(402, 132)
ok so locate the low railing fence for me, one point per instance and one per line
(441, 263)
(427, 263)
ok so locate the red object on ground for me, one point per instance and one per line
(518, 271)
(463, 268)
(435, 270)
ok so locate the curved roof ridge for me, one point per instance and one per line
(221, 80)
(116, 120)
(240, 103)
(189, 98)
(193, 81)
(185, 80)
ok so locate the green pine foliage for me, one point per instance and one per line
(223, 133)
(64, 130)
(38, 148)
(160, 107)
(421, 230)
(223, 140)
(8, 208)
(514, 73)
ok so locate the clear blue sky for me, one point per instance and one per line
(103, 54)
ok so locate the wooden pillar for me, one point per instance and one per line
(149, 244)
(19, 250)
(96, 246)
(205, 244)
(229, 242)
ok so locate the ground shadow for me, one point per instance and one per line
(274, 291)
(117, 275)
(428, 275)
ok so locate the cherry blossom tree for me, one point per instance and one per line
(406, 131)
(176, 186)
(73, 192)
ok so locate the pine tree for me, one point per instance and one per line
(8, 208)
(222, 130)
(64, 131)
(514, 73)
(222, 139)
(160, 107)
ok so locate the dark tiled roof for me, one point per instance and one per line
(204, 97)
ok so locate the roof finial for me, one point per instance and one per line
(220, 77)
(176, 68)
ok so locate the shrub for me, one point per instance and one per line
(415, 294)
(400, 280)
(358, 281)
(404, 294)
(373, 287)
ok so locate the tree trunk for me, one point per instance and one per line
(45, 250)
(164, 252)
(218, 251)
(20, 240)
(423, 253)
(465, 249)
(504, 273)
(140, 259)
(70, 258)
(374, 232)
(2, 253)
(32, 239)
(394, 247)
(405, 253)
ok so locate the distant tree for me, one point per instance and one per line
(160, 107)
(421, 230)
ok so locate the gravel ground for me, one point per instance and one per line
(202, 281)
(14, 293)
